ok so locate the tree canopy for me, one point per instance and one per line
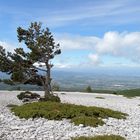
(40, 49)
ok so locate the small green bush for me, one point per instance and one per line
(104, 137)
(115, 93)
(55, 87)
(50, 97)
(100, 97)
(11, 105)
(88, 89)
(63, 93)
(78, 114)
(129, 92)
(28, 94)
(87, 121)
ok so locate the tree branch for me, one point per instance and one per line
(39, 69)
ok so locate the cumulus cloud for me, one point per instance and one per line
(120, 44)
(7, 46)
(125, 45)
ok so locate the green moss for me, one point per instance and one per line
(91, 116)
(105, 137)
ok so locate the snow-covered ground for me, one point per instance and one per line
(13, 128)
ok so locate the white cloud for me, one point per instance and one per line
(95, 13)
(116, 44)
(94, 59)
(9, 47)
(77, 42)
(39, 64)
(124, 45)
(62, 65)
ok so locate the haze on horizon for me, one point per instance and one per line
(93, 35)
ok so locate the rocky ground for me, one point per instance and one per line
(13, 128)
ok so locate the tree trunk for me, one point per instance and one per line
(47, 86)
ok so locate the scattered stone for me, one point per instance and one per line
(13, 128)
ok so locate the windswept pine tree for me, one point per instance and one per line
(25, 65)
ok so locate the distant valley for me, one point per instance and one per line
(79, 81)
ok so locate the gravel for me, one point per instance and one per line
(13, 128)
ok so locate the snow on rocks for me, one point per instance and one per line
(13, 128)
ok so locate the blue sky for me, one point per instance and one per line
(92, 33)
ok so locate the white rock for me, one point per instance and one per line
(14, 128)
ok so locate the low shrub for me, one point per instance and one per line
(11, 105)
(55, 87)
(51, 97)
(100, 97)
(28, 95)
(89, 89)
(115, 93)
(79, 114)
(129, 92)
(63, 93)
(87, 121)
(104, 137)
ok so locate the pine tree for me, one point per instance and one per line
(22, 63)
(88, 89)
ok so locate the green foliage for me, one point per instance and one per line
(55, 87)
(39, 41)
(89, 89)
(11, 105)
(18, 88)
(87, 121)
(28, 95)
(126, 93)
(34, 81)
(17, 76)
(51, 98)
(129, 92)
(8, 82)
(104, 137)
(79, 114)
(100, 97)
(5, 62)
(102, 91)
(114, 92)
(20, 63)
